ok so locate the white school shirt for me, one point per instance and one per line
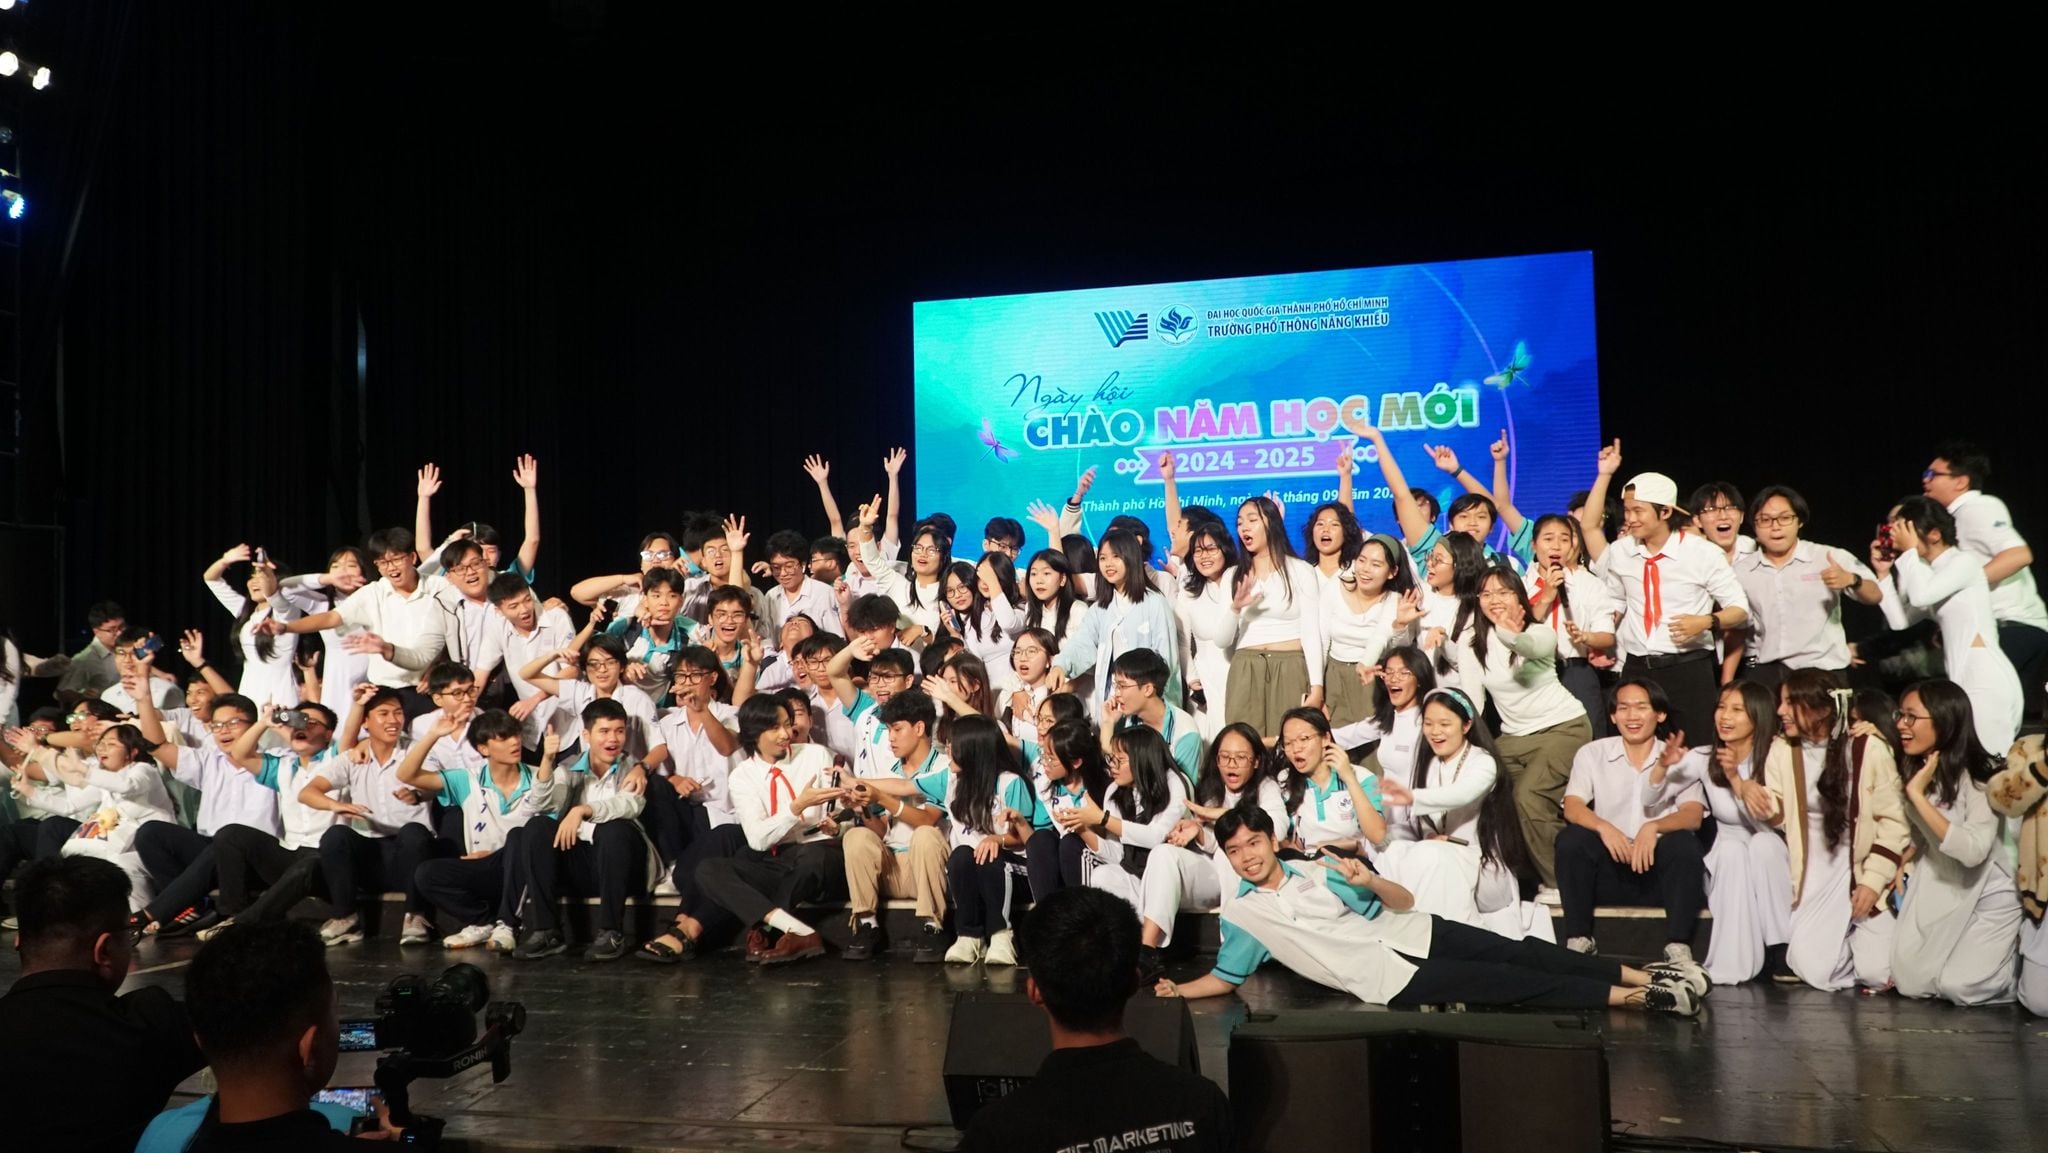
(488, 815)
(1954, 592)
(1603, 778)
(1527, 692)
(1355, 637)
(607, 799)
(813, 599)
(763, 799)
(1693, 577)
(1272, 617)
(1345, 940)
(1456, 793)
(166, 695)
(303, 824)
(136, 793)
(340, 670)
(419, 626)
(1329, 814)
(373, 784)
(452, 753)
(552, 632)
(1593, 609)
(870, 755)
(1984, 529)
(690, 753)
(573, 697)
(473, 619)
(991, 641)
(227, 794)
(1152, 833)
(1396, 754)
(1794, 617)
(899, 587)
(262, 680)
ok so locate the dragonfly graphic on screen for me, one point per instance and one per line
(1516, 366)
(996, 447)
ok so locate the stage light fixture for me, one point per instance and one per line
(41, 79)
(9, 63)
(17, 204)
(6, 4)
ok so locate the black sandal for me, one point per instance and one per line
(654, 952)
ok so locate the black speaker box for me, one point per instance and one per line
(998, 1040)
(1417, 1083)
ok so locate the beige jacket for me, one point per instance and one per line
(2018, 793)
(1877, 804)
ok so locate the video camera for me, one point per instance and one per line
(430, 1028)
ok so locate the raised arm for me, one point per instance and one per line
(736, 538)
(352, 725)
(429, 483)
(1414, 523)
(526, 474)
(538, 670)
(820, 471)
(893, 465)
(229, 599)
(1593, 513)
(243, 753)
(1503, 499)
(1176, 524)
(1070, 516)
(1346, 466)
(192, 646)
(413, 771)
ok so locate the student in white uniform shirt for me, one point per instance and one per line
(522, 631)
(689, 797)
(655, 632)
(1188, 871)
(1959, 924)
(1749, 877)
(266, 658)
(784, 798)
(1577, 607)
(391, 828)
(525, 474)
(981, 609)
(920, 594)
(133, 675)
(403, 621)
(1931, 577)
(1129, 614)
(1030, 660)
(467, 573)
(1795, 590)
(113, 795)
(1066, 763)
(496, 800)
(1137, 683)
(1455, 565)
(1280, 653)
(899, 847)
(1984, 529)
(1717, 515)
(1343, 926)
(180, 860)
(657, 550)
(1613, 849)
(262, 876)
(598, 667)
(341, 670)
(1361, 604)
(1838, 801)
(795, 591)
(1394, 730)
(1208, 620)
(1677, 593)
(595, 848)
(1052, 599)
(1146, 798)
(1331, 806)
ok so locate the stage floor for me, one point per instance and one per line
(830, 1056)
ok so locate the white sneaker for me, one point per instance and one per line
(342, 931)
(1549, 897)
(9, 924)
(503, 939)
(1584, 945)
(667, 887)
(214, 930)
(1002, 948)
(469, 938)
(965, 951)
(1679, 953)
(417, 931)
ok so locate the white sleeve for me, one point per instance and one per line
(1924, 586)
(1153, 833)
(1471, 785)
(229, 599)
(1308, 598)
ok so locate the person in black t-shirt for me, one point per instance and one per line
(85, 1069)
(1098, 1087)
(262, 1005)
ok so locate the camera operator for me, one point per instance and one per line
(87, 1068)
(262, 1005)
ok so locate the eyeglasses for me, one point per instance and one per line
(224, 726)
(1302, 742)
(471, 566)
(785, 567)
(1391, 673)
(458, 694)
(885, 678)
(691, 678)
(114, 627)
(1238, 760)
(1931, 473)
(733, 618)
(1720, 510)
(595, 664)
(656, 554)
(1906, 719)
(924, 550)
(392, 563)
(1206, 547)
(1785, 518)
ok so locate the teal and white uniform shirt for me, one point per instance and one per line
(1012, 792)
(935, 769)
(1521, 549)
(1316, 924)
(1183, 737)
(1050, 795)
(871, 753)
(605, 795)
(282, 773)
(658, 655)
(1327, 813)
(489, 814)
(452, 753)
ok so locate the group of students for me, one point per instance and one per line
(1469, 720)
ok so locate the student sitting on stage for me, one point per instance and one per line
(283, 870)
(784, 799)
(898, 848)
(597, 841)
(1137, 680)
(1615, 851)
(1959, 924)
(1329, 804)
(1342, 925)
(393, 827)
(1187, 872)
(496, 800)
(1066, 767)
(1838, 801)
(1147, 797)
(2020, 793)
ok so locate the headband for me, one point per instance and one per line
(1456, 697)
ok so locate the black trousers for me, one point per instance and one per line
(477, 892)
(180, 861)
(1053, 862)
(1583, 681)
(2027, 648)
(249, 862)
(1587, 876)
(354, 865)
(1481, 967)
(610, 866)
(982, 893)
(32, 839)
(1692, 685)
(1769, 674)
(752, 885)
(673, 823)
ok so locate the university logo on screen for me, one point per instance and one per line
(1122, 327)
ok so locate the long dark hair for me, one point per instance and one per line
(1152, 768)
(1762, 709)
(1079, 751)
(1500, 824)
(365, 564)
(1080, 554)
(1274, 526)
(265, 644)
(1295, 786)
(761, 712)
(1468, 567)
(704, 661)
(1578, 553)
(977, 604)
(1482, 625)
(1005, 569)
(1063, 601)
(1209, 787)
(1215, 533)
(980, 758)
(981, 698)
(1347, 524)
(140, 751)
(1811, 693)
(1879, 709)
(1415, 661)
(1955, 741)
(1137, 582)
(944, 544)
(1928, 518)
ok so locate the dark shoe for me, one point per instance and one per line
(931, 945)
(1151, 966)
(865, 943)
(1775, 967)
(138, 927)
(540, 943)
(1677, 1000)
(759, 942)
(610, 945)
(656, 953)
(190, 921)
(794, 947)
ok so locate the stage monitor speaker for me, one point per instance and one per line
(998, 1040)
(1418, 1083)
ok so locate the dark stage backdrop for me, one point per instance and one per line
(669, 263)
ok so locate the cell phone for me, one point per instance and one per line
(1199, 697)
(1883, 540)
(262, 557)
(362, 1099)
(148, 647)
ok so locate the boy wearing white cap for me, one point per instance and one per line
(1677, 592)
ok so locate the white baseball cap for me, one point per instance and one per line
(1652, 488)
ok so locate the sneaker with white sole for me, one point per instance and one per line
(667, 886)
(468, 938)
(417, 931)
(214, 930)
(965, 951)
(503, 939)
(342, 931)
(1683, 973)
(1586, 945)
(1677, 1000)
(9, 923)
(1002, 948)
(1679, 952)
(1548, 897)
